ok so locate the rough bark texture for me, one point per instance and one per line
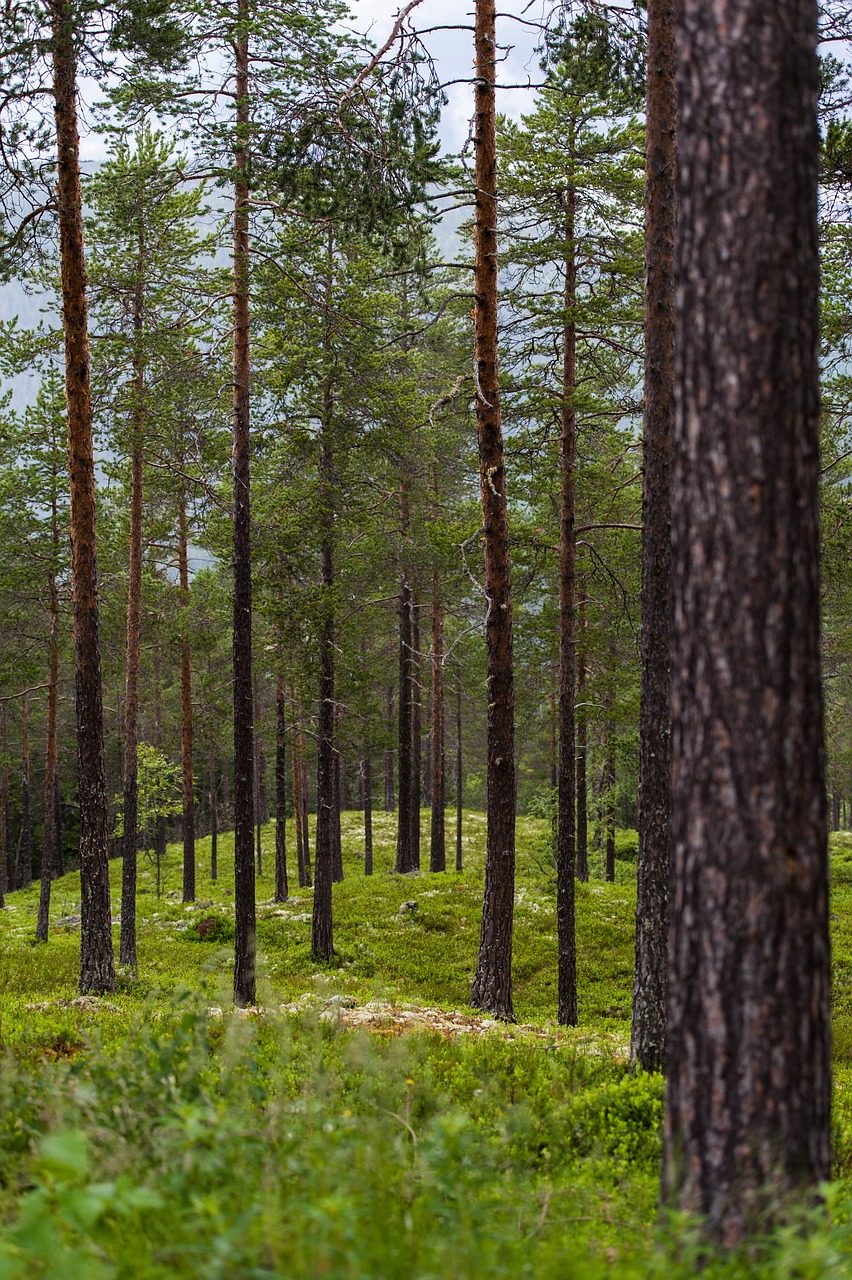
(459, 782)
(648, 1028)
(258, 804)
(367, 778)
(565, 850)
(186, 725)
(48, 869)
(97, 963)
(492, 983)
(437, 847)
(582, 738)
(281, 888)
(127, 936)
(245, 941)
(748, 1083)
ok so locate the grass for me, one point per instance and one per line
(142, 1137)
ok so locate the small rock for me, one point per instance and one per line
(406, 908)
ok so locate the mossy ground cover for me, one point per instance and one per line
(157, 1133)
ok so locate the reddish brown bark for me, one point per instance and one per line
(492, 983)
(648, 1029)
(748, 1056)
(97, 965)
(245, 943)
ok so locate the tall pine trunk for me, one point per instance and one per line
(565, 848)
(245, 941)
(97, 961)
(186, 724)
(650, 974)
(748, 1056)
(492, 984)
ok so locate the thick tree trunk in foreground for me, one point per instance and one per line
(245, 941)
(97, 962)
(437, 848)
(281, 888)
(492, 983)
(582, 738)
(160, 823)
(565, 849)
(186, 726)
(748, 1056)
(48, 867)
(650, 975)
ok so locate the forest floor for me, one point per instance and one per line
(363, 1121)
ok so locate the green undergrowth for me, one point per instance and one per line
(160, 1133)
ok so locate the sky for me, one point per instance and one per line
(453, 51)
